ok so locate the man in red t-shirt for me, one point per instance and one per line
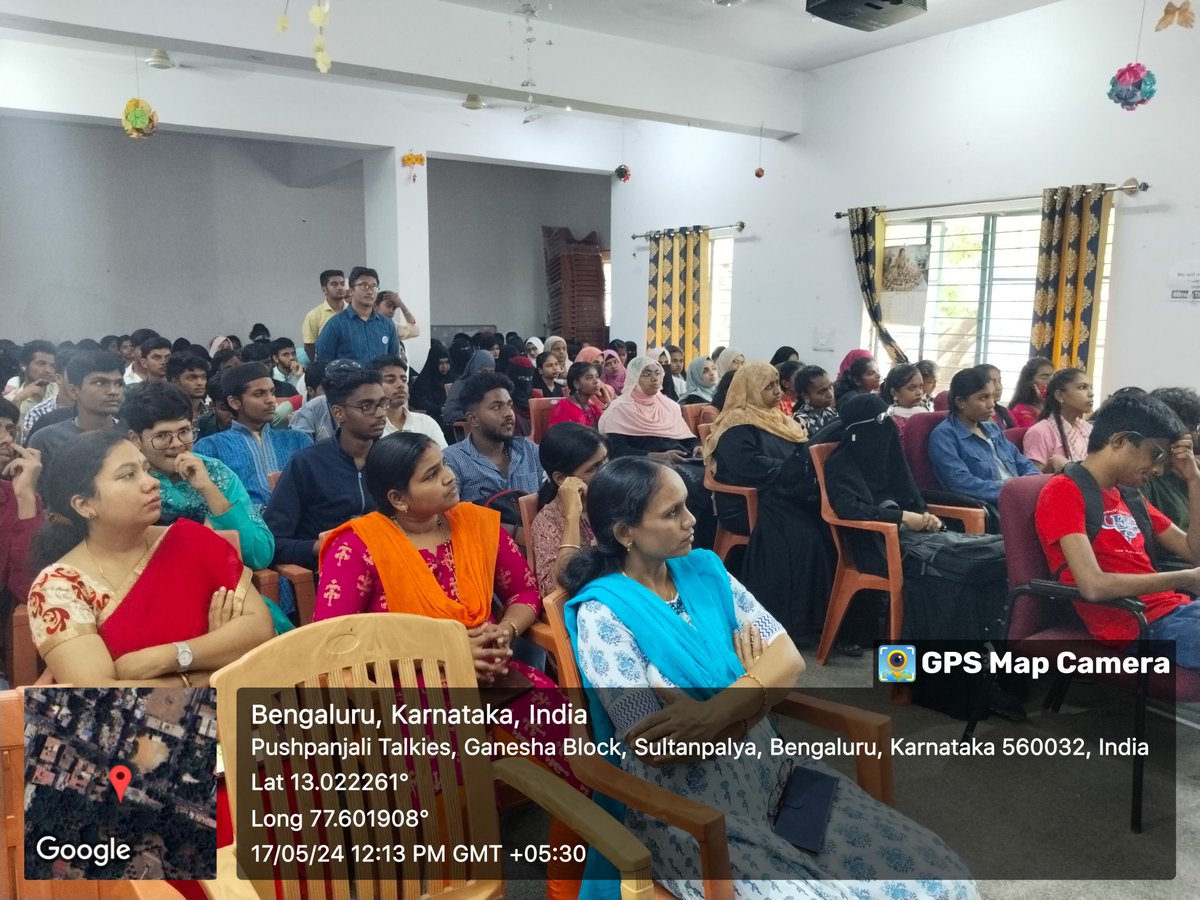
(1133, 437)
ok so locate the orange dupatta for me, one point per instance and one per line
(408, 582)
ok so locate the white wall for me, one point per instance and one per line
(184, 233)
(486, 263)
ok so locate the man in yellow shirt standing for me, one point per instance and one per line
(333, 285)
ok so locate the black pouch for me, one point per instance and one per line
(803, 812)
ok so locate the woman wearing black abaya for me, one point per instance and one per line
(428, 393)
(789, 562)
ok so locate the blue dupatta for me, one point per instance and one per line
(699, 657)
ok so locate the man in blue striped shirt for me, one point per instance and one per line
(251, 447)
(358, 332)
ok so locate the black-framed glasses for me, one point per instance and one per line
(370, 407)
(1160, 453)
(373, 288)
(163, 439)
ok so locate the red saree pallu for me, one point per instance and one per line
(168, 600)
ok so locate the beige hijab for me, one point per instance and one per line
(744, 405)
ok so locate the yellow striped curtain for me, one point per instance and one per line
(680, 292)
(1070, 260)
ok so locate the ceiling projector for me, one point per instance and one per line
(865, 15)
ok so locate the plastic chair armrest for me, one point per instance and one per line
(1052, 590)
(583, 817)
(266, 581)
(305, 583)
(542, 635)
(749, 494)
(884, 528)
(974, 519)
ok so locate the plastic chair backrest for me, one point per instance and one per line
(691, 415)
(703, 430)
(915, 441)
(528, 504)
(539, 416)
(1024, 558)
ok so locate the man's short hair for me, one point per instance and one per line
(64, 355)
(87, 344)
(1184, 402)
(341, 382)
(84, 364)
(479, 386)
(260, 332)
(314, 375)
(142, 334)
(331, 273)
(31, 347)
(235, 379)
(282, 343)
(178, 363)
(359, 271)
(8, 410)
(152, 403)
(256, 351)
(1140, 413)
(150, 344)
(388, 360)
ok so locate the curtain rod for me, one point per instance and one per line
(1130, 187)
(736, 226)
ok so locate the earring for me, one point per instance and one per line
(93, 515)
(403, 507)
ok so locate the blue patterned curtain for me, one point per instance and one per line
(866, 230)
(679, 295)
(1071, 256)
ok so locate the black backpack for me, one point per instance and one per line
(1093, 510)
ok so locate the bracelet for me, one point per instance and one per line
(766, 701)
(187, 682)
(571, 546)
(513, 626)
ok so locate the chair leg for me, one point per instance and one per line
(979, 705)
(839, 602)
(895, 611)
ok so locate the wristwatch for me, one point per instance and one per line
(183, 656)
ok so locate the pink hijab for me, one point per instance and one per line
(639, 415)
(617, 380)
(594, 356)
(849, 359)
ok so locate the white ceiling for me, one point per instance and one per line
(770, 32)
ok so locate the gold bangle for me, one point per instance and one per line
(513, 626)
(766, 701)
(187, 682)
(565, 546)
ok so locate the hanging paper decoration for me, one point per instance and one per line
(410, 161)
(318, 16)
(1133, 86)
(139, 120)
(1180, 15)
(760, 172)
(623, 172)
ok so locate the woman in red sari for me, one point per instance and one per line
(121, 601)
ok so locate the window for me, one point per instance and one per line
(720, 272)
(979, 304)
(606, 266)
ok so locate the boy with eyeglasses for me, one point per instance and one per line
(323, 486)
(358, 332)
(1134, 437)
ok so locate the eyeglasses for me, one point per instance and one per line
(368, 407)
(1160, 452)
(163, 439)
(372, 288)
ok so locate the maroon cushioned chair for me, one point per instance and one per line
(915, 441)
(1042, 610)
(1016, 437)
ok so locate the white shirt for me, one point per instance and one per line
(132, 377)
(420, 424)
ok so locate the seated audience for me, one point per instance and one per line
(701, 382)
(729, 360)
(313, 417)
(903, 390)
(34, 381)
(225, 359)
(594, 355)
(663, 356)
(251, 447)
(218, 344)
(648, 613)
(1133, 437)
(545, 383)
(322, 486)
(95, 384)
(152, 356)
(1028, 396)
(454, 410)
(287, 398)
(57, 397)
(814, 395)
(618, 347)
(571, 456)
(1060, 436)
(287, 367)
(929, 372)
(1168, 492)
(969, 452)
(677, 370)
(358, 332)
(194, 487)
(429, 391)
(787, 384)
(387, 304)
(789, 561)
(219, 416)
(582, 404)
(860, 376)
(393, 374)
(427, 553)
(785, 354)
(20, 511)
(122, 601)
(1000, 413)
(190, 373)
(522, 373)
(534, 346)
(612, 371)
(490, 460)
(558, 346)
(333, 286)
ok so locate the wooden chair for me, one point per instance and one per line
(725, 539)
(395, 651)
(13, 885)
(705, 824)
(539, 416)
(691, 415)
(848, 580)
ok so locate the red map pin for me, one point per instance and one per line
(119, 777)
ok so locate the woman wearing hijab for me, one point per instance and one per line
(220, 342)
(520, 371)
(534, 346)
(702, 381)
(644, 422)
(789, 562)
(663, 355)
(482, 361)
(558, 346)
(595, 356)
(730, 360)
(612, 372)
(428, 394)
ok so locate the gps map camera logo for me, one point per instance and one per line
(897, 662)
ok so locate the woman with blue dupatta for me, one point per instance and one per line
(670, 646)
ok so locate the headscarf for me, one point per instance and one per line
(725, 360)
(869, 462)
(594, 356)
(482, 359)
(744, 406)
(217, 342)
(696, 387)
(555, 339)
(668, 388)
(637, 415)
(538, 346)
(849, 359)
(617, 380)
(589, 354)
(520, 372)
